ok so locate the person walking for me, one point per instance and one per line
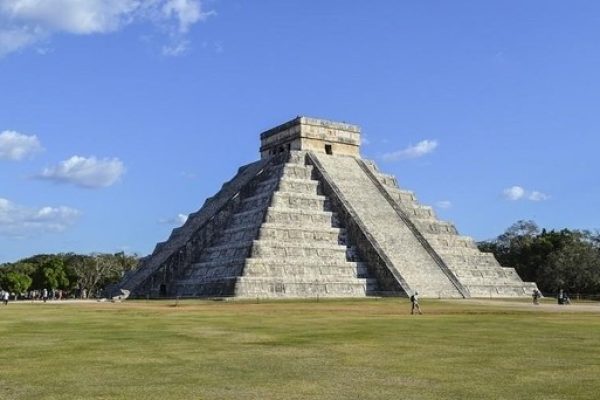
(414, 300)
(536, 296)
(45, 295)
(5, 298)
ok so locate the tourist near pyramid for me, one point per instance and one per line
(312, 218)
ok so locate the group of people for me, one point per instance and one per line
(563, 297)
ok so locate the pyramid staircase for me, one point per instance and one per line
(283, 241)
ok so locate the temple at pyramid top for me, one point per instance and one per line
(311, 134)
(312, 218)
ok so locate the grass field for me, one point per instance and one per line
(337, 349)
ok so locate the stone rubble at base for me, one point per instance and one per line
(311, 218)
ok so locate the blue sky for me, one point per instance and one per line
(118, 117)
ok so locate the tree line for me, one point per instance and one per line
(71, 273)
(556, 259)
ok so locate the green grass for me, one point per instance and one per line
(369, 349)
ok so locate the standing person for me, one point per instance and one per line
(5, 298)
(45, 295)
(414, 299)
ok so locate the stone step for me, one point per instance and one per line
(257, 287)
(449, 240)
(419, 212)
(247, 218)
(403, 197)
(297, 171)
(215, 272)
(295, 200)
(274, 262)
(260, 200)
(310, 279)
(487, 280)
(299, 261)
(267, 185)
(240, 233)
(262, 248)
(434, 226)
(466, 261)
(444, 251)
(230, 250)
(303, 270)
(519, 289)
(287, 233)
(298, 185)
(213, 288)
(295, 217)
(387, 179)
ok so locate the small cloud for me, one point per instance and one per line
(16, 146)
(445, 204)
(420, 149)
(189, 175)
(499, 57)
(21, 221)
(85, 172)
(176, 49)
(365, 140)
(538, 196)
(178, 220)
(186, 12)
(515, 193)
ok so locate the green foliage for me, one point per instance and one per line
(69, 271)
(15, 282)
(566, 259)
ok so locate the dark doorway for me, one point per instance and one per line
(328, 149)
(162, 291)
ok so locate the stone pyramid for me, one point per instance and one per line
(312, 218)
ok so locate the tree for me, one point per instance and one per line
(51, 274)
(565, 259)
(98, 270)
(16, 282)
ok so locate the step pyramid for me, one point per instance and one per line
(312, 218)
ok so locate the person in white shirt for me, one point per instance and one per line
(414, 299)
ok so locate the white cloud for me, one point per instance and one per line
(516, 192)
(25, 22)
(177, 48)
(420, 149)
(16, 146)
(178, 220)
(20, 221)
(537, 196)
(13, 39)
(187, 13)
(444, 204)
(85, 172)
(513, 193)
